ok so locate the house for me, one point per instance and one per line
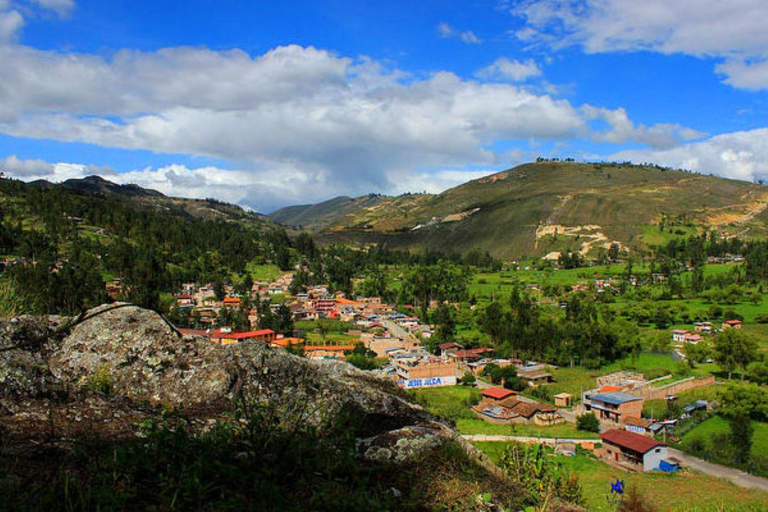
(678, 335)
(232, 302)
(698, 405)
(632, 451)
(448, 347)
(705, 327)
(414, 371)
(534, 376)
(185, 301)
(563, 400)
(693, 339)
(614, 406)
(732, 324)
(637, 425)
(512, 410)
(226, 336)
(498, 394)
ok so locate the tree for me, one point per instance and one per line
(588, 422)
(697, 353)
(734, 349)
(739, 404)
(445, 321)
(757, 372)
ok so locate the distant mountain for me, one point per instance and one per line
(98, 185)
(545, 208)
(327, 213)
(204, 209)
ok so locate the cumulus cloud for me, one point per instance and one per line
(13, 166)
(622, 129)
(447, 31)
(345, 120)
(299, 123)
(740, 155)
(733, 31)
(513, 70)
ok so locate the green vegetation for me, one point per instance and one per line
(687, 492)
(246, 463)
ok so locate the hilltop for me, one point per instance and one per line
(545, 208)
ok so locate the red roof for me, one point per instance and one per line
(184, 297)
(733, 322)
(241, 335)
(451, 344)
(631, 441)
(498, 393)
(608, 389)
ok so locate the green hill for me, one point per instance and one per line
(547, 207)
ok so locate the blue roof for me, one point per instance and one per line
(614, 398)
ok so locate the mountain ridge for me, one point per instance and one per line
(546, 208)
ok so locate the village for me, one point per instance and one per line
(623, 438)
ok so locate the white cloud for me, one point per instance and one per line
(447, 31)
(300, 123)
(513, 70)
(61, 7)
(622, 129)
(741, 155)
(733, 30)
(13, 166)
(348, 120)
(11, 23)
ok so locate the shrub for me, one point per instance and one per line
(588, 422)
(101, 380)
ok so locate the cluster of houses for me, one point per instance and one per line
(700, 330)
(618, 402)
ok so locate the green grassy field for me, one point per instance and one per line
(717, 425)
(682, 492)
(454, 402)
(263, 272)
(480, 426)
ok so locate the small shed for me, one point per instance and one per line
(669, 465)
(563, 400)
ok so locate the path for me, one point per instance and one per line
(398, 332)
(736, 476)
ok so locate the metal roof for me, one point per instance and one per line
(614, 398)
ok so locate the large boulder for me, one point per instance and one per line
(134, 353)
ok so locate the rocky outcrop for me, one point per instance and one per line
(101, 378)
(132, 354)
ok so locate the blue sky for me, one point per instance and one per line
(267, 104)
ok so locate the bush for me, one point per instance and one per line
(588, 422)
(468, 379)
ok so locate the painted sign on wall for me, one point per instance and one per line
(428, 382)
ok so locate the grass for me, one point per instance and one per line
(563, 430)
(331, 338)
(683, 492)
(453, 402)
(658, 408)
(263, 272)
(573, 381)
(717, 425)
